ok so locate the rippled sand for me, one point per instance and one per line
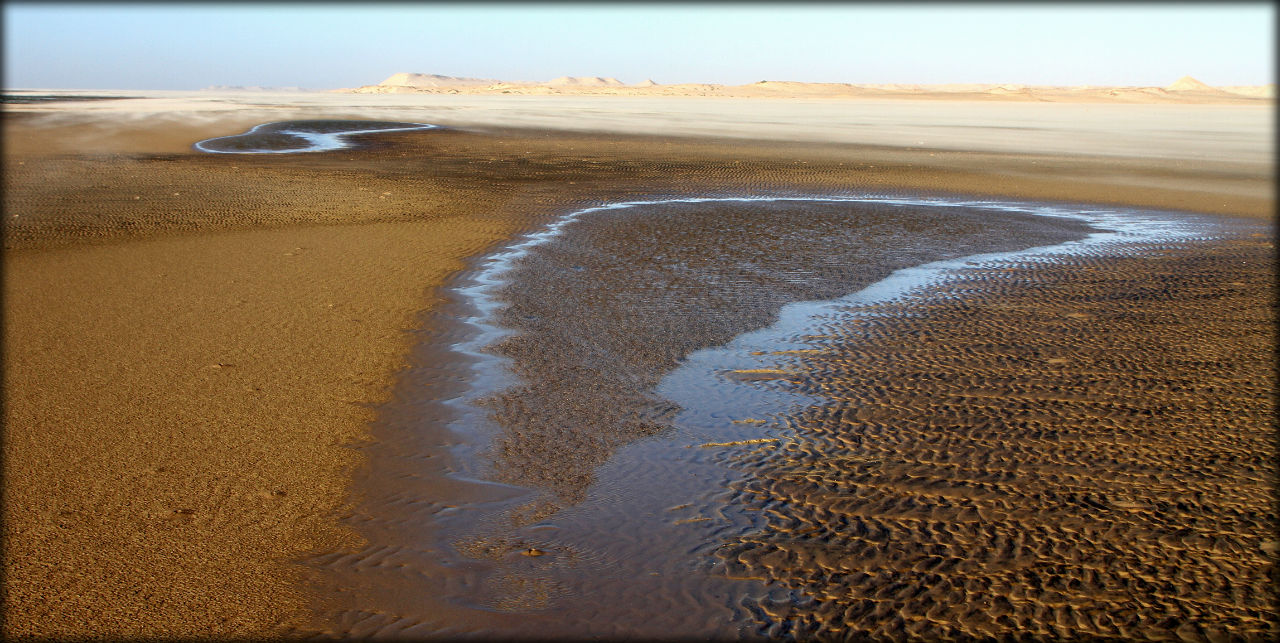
(600, 315)
(1004, 453)
(193, 344)
(1082, 448)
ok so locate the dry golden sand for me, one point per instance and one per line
(192, 343)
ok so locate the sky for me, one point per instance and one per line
(186, 46)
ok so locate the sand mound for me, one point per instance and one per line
(1189, 84)
(646, 83)
(1006, 89)
(249, 88)
(891, 87)
(796, 86)
(692, 89)
(960, 87)
(433, 80)
(585, 81)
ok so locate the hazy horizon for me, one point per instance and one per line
(189, 47)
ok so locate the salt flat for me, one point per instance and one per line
(1229, 133)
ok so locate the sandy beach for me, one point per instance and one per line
(214, 398)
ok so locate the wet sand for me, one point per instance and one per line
(592, 337)
(194, 343)
(599, 316)
(1077, 448)
(661, 541)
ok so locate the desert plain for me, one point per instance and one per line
(234, 404)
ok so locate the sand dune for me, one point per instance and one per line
(433, 80)
(1258, 91)
(1188, 85)
(250, 88)
(585, 81)
(1185, 89)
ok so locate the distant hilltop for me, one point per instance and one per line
(251, 88)
(1185, 89)
(426, 81)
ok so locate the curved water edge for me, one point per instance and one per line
(315, 141)
(666, 487)
(480, 292)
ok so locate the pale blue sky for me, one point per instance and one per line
(190, 46)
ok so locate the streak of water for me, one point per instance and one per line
(711, 401)
(667, 487)
(634, 558)
(315, 141)
(490, 373)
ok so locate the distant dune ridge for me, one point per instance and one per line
(251, 88)
(433, 80)
(585, 81)
(1185, 89)
(1189, 84)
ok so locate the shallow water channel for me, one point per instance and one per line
(556, 464)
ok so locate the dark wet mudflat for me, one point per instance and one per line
(602, 313)
(1075, 449)
(1028, 447)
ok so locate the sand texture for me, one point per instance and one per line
(202, 352)
(1092, 455)
(593, 337)
(1012, 453)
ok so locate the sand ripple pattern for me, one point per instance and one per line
(579, 498)
(594, 313)
(1080, 445)
(601, 313)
